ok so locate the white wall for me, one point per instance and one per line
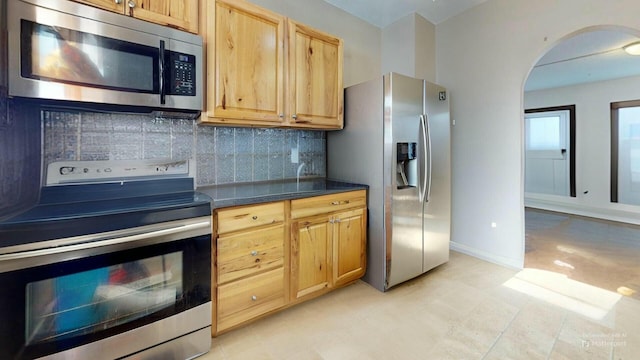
(483, 57)
(408, 47)
(593, 145)
(362, 41)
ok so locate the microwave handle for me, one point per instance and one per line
(163, 91)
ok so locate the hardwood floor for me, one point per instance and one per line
(597, 252)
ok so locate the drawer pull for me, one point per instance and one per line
(254, 253)
(254, 217)
(254, 298)
(340, 202)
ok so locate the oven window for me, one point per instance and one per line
(95, 300)
(63, 55)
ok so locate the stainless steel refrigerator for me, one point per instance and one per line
(396, 139)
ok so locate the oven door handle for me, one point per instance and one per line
(96, 244)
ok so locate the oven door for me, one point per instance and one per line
(110, 295)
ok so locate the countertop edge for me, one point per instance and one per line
(332, 187)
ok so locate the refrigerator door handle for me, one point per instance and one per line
(422, 185)
(429, 159)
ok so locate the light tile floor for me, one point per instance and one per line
(464, 309)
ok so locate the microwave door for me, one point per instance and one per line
(63, 62)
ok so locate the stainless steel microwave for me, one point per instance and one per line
(61, 50)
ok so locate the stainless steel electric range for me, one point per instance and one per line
(113, 262)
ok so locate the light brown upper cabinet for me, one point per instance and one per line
(315, 78)
(267, 70)
(245, 62)
(180, 14)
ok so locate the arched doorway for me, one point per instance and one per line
(568, 166)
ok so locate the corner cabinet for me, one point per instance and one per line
(180, 14)
(271, 256)
(267, 70)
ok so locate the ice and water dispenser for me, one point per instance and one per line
(406, 165)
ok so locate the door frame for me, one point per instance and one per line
(572, 140)
(615, 106)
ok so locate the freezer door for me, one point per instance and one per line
(437, 210)
(403, 107)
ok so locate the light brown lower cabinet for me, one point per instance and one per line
(327, 251)
(310, 257)
(349, 246)
(271, 256)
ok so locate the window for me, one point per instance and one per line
(546, 131)
(550, 150)
(625, 152)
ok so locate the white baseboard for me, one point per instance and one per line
(496, 259)
(623, 213)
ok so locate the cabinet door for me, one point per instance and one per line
(111, 5)
(315, 78)
(349, 246)
(181, 14)
(245, 64)
(311, 249)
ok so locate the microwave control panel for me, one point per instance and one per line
(182, 70)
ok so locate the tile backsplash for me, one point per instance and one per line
(223, 154)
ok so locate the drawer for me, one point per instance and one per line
(327, 203)
(245, 217)
(245, 299)
(249, 252)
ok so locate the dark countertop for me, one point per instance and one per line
(267, 191)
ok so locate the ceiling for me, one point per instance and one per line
(382, 13)
(587, 57)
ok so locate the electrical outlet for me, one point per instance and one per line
(294, 156)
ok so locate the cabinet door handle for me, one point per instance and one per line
(254, 217)
(131, 4)
(254, 253)
(118, 2)
(254, 298)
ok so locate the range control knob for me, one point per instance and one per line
(66, 170)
